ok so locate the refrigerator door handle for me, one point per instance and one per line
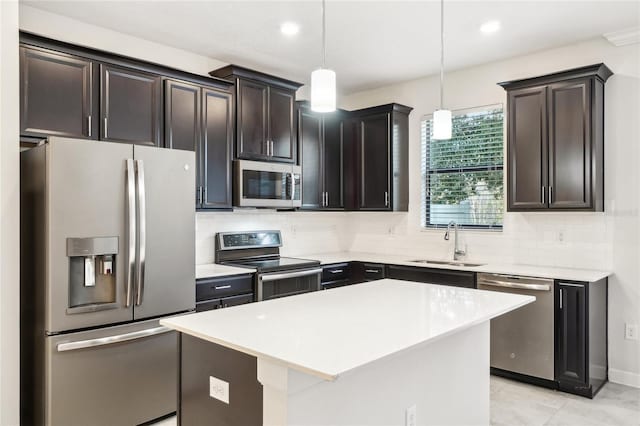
(131, 229)
(83, 344)
(142, 231)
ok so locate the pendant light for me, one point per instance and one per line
(442, 117)
(323, 80)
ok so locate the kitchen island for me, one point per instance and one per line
(369, 354)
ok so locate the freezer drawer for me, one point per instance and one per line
(116, 381)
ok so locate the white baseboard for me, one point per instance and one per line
(624, 377)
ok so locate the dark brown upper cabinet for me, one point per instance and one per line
(265, 125)
(321, 142)
(200, 119)
(131, 106)
(555, 141)
(58, 94)
(73, 91)
(380, 155)
(216, 148)
(182, 104)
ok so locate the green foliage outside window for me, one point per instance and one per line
(466, 170)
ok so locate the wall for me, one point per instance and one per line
(61, 28)
(9, 216)
(609, 240)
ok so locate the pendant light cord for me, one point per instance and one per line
(324, 37)
(441, 52)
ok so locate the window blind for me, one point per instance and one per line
(463, 176)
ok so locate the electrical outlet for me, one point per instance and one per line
(631, 331)
(410, 416)
(561, 236)
(219, 389)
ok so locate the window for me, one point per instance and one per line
(462, 177)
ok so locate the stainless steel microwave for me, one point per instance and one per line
(263, 184)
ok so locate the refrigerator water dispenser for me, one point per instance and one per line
(92, 278)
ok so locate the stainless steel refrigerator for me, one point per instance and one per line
(107, 248)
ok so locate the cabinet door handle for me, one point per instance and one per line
(560, 298)
(271, 148)
(550, 194)
(106, 127)
(572, 285)
(326, 203)
(386, 198)
(336, 271)
(89, 125)
(542, 196)
(372, 271)
(222, 287)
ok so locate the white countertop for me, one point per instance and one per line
(588, 275)
(327, 333)
(213, 270)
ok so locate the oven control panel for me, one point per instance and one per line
(252, 239)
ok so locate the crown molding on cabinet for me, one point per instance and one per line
(623, 37)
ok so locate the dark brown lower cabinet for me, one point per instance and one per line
(432, 276)
(200, 360)
(336, 275)
(581, 363)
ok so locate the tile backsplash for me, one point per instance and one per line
(302, 232)
(580, 240)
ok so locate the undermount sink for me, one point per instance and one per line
(448, 262)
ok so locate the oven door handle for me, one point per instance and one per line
(274, 277)
(509, 284)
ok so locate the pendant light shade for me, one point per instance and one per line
(442, 117)
(442, 124)
(323, 80)
(323, 90)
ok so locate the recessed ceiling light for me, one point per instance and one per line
(490, 27)
(289, 28)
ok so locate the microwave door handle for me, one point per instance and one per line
(131, 230)
(293, 187)
(142, 231)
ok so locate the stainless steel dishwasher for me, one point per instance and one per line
(522, 341)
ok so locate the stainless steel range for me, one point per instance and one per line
(277, 276)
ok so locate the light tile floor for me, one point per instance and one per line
(514, 403)
(518, 404)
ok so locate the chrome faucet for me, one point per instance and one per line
(457, 252)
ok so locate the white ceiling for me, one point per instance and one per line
(369, 43)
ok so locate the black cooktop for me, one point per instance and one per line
(275, 264)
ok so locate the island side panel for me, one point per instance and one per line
(447, 380)
(199, 361)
